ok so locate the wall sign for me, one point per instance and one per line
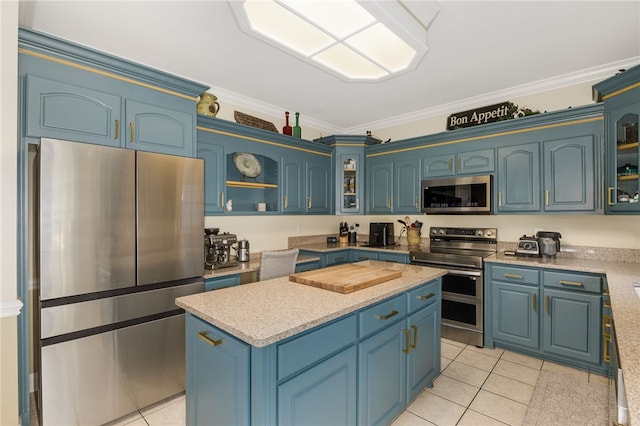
(484, 115)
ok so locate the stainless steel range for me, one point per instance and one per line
(461, 251)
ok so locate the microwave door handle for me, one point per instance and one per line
(436, 262)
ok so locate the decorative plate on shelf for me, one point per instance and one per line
(247, 164)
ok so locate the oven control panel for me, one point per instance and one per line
(462, 233)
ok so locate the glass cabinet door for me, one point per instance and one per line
(623, 192)
(350, 183)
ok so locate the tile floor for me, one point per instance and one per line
(478, 386)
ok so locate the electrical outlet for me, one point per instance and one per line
(298, 228)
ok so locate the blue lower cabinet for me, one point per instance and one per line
(423, 363)
(514, 314)
(217, 376)
(360, 255)
(336, 258)
(307, 266)
(323, 395)
(221, 282)
(394, 257)
(382, 376)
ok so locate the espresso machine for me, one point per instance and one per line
(217, 249)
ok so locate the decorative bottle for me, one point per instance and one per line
(287, 130)
(297, 131)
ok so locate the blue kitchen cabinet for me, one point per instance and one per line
(323, 395)
(407, 186)
(569, 174)
(620, 95)
(307, 266)
(75, 93)
(423, 363)
(67, 111)
(361, 255)
(438, 166)
(462, 163)
(393, 257)
(336, 257)
(319, 194)
(293, 185)
(379, 186)
(217, 376)
(214, 175)
(551, 314)
(518, 178)
(243, 194)
(221, 282)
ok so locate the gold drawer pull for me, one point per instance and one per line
(534, 304)
(607, 304)
(415, 336)
(131, 130)
(609, 200)
(572, 283)
(117, 129)
(546, 197)
(500, 199)
(389, 315)
(407, 334)
(517, 276)
(606, 356)
(426, 296)
(450, 163)
(546, 303)
(203, 335)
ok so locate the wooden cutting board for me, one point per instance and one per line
(345, 278)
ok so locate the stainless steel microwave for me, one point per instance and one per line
(457, 195)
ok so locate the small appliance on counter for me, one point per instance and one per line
(381, 234)
(548, 243)
(217, 249)
(528, 246)
(243, 251)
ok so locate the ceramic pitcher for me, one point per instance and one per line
(208, 105)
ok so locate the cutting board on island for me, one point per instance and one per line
(345, 278)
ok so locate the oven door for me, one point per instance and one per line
(462, 299)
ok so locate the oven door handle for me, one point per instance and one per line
(465, 273)
(435, 262)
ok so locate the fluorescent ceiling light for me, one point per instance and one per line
(368, 40)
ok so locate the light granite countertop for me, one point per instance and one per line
(266, 312)
(625, 304)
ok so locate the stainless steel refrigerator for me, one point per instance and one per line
(120, 237)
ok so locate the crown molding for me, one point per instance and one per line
(554, 83)
(10, 308)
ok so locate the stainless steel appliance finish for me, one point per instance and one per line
(243, 251)
(548, 243)
(528, 246)
(381, 234)
(116, 238)
(457, 195)
(218, 249)
(461, 251)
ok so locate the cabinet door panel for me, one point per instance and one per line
(318, 186)
(322, 395)
(482, 161)
(424, 360)
(379, 184)
(293, 185)
(214, 160)
(65, 111)
(382, 376)
(163, 130)
(519, 178)
(514, 314)
(441, 165)
(571, 325)
(407, 185)
(569, 178)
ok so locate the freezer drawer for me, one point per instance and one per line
(99, 378)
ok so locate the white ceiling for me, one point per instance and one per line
(480, 52)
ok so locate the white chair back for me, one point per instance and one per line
(277, 263)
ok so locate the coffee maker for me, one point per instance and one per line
(217, 249)
(548, 243)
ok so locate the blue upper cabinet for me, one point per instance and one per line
(407, 186)
(214, 175)
(519, 178)
(293, 185)
(319, 192)
(75, 93)
(463, 163)
(438, 166)
(621, 96)
(379, 185)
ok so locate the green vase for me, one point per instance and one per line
(297, 131)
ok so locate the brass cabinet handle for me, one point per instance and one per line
(131, 130)
(388, 202)
(426, 296)
(417, 202)
(285, 201)
(203, 336)
(308, 202)
(517, 276)
(605, 323)
(389, 315)
(458, 163)
(117, 129)
(546, 197)
(407, 334)
(609, 199)
(415, 336)
(500, 199)
(546, 303)
(534, 304)
(607, 304)
(222, 198)
(605, 292)
(450, 163)
(357, 203)
(606, 356)
(572, 283)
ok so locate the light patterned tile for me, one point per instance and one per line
(450, 351)
(509, 388)
(499, 408)
(496, 353)
(444, 362)
(477, 359)
(454, 390)
(522, 359)
(133, 419)
(173, 414)
(436, 409)
(516, 371)
(558, 369)
(473, 418)
(466, 373)
(410, 419)
(452, 342)
(164, 403)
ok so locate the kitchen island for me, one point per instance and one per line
(278, 352)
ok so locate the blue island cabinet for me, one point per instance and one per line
(362, 368)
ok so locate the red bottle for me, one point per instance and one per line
(287, 130)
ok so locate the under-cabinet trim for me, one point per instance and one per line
(249, 138)
(104, 73)
(487, 136)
